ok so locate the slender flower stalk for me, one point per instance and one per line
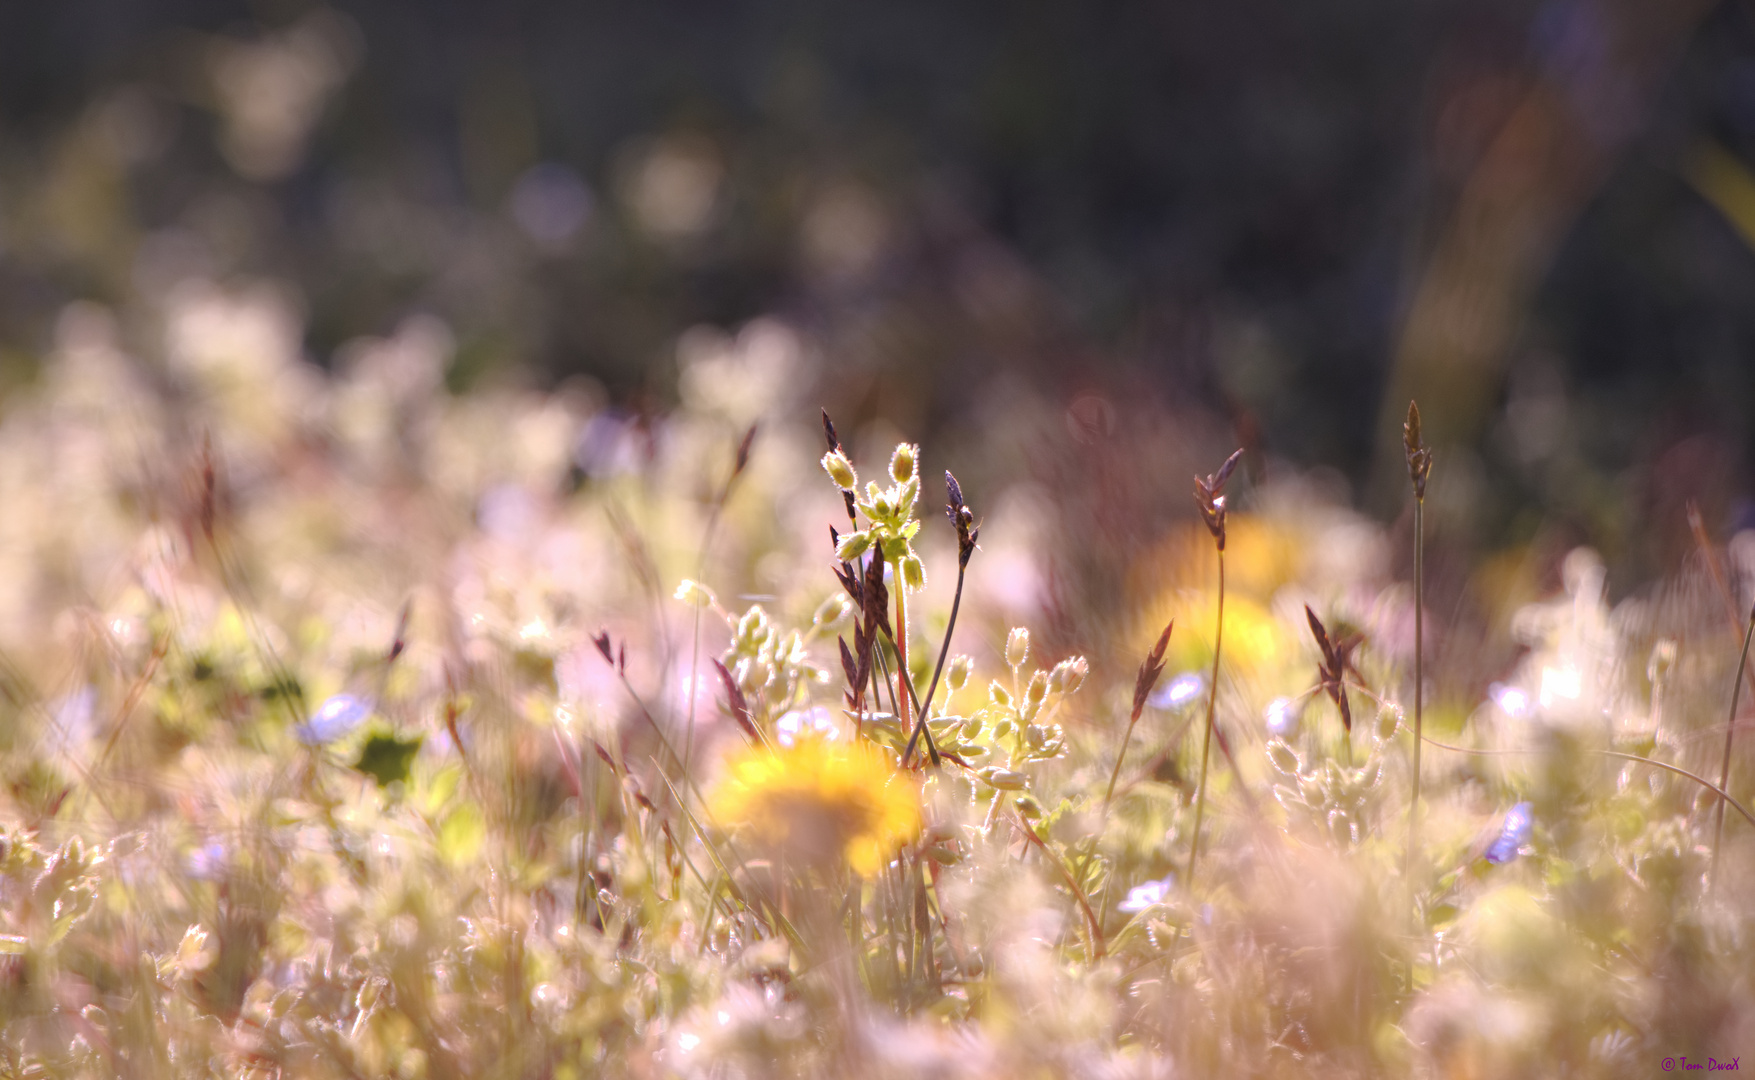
(1724, 772)
(1150, 668)
(963, 520)
(1208, 495)
(1419, 467)
(739, 463)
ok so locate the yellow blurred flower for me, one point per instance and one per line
(1180, 577)
(820, 802)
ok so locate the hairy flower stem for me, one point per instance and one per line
(1419, 677)
(903, 716)
(1724, 772)
(1200, 791)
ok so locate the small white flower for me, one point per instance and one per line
(1141, 897)
(1512, 701)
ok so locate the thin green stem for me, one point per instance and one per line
(943, 651)
(1419, 678)
(1126, 737)
(1200, 791)
(1724, 772)
(1748, 814)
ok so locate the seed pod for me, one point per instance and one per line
(1284, 758)
(1003, 779)
(1068, 675)
(1389, 720)
(913, 573)
(902, 462)
(957, 673)
(853, 545)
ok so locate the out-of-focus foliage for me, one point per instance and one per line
(353, 727)
(1533, 216)
(367, 710)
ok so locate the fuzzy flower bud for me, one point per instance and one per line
(902, 462)
(752, 629)
(913, 573)
(958, 671)
(853, 545)
(694, 594)
(832, 610)
(1017, 647)
(840, 470)
(1037, 689)
(999, 695)
(1068, 675)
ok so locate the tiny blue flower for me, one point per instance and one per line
(1178, 692)
(337, 716)
(1141, 897)
(805, 723)
(207, 863)
(1514, 834)
(1282, 716)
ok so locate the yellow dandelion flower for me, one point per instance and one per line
(820, 802)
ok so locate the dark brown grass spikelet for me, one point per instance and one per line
(400, 641)
(1150, 668)
(834, 441)
(1332, 671)
(848, 667)
(743, 451)
(1209, 495)
(877, 594)
(601, 640)
(962, 519)
(209, 488)
(736, 704)
(862, 649)
(1418, 453)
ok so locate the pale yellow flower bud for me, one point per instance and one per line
(840, 470)
(958, 671)
(902, 462)
(853, 545)
(1068, 675)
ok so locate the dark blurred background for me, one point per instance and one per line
(1537, 217)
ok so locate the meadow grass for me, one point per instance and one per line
(375, 740)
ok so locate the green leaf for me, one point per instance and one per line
(461, 834)
(385, 758)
